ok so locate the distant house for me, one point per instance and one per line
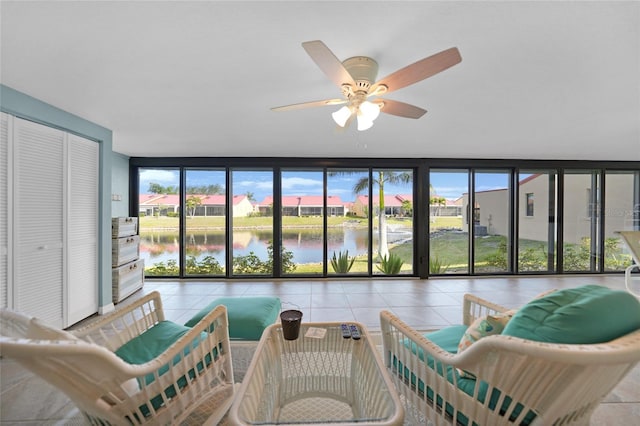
(207, 205)
(392, 204)
(305, 205)
(491, 210)
(448, 208)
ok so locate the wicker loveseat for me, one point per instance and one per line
(131, 366)
(553, 363)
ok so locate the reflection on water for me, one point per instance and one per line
(305, 244)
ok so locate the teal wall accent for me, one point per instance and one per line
(120, 184)
(24, 106)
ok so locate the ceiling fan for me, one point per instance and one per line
(356, 77)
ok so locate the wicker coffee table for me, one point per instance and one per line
(319, 378)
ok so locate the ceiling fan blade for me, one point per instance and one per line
(400, 108)
(310, 104)
(328, 63)
(420, 70)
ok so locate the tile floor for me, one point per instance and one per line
(423, 304)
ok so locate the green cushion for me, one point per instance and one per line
(152, 343)
(583, 315)
(448, 339)
(248, 316)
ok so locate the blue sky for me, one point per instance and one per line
(449, 185)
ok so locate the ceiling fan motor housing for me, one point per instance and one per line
(363, 70)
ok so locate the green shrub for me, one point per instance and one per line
(390, 265)
(207, 266)
(341, 264)
(251, 264)
(436, 266)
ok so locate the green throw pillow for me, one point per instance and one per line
(584, 315)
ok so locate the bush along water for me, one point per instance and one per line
(242, 265)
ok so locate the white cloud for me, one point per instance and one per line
(296, 182)
(159, 176)
(252, 184)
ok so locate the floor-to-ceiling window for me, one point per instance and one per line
(348, 221)
(251, 222)
(537, 204)
(205, 210)
(621, 213)
(358, 217)
(448, 229)
(491, 218)
(392, 208)
(302, 218)
(159, 224)
(581, 221)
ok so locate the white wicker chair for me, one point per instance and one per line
(551, 383)
(191, 382)
(632, 241)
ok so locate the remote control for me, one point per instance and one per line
(346, 333)
(355, 333)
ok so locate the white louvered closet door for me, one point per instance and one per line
(82, 228)
(38, 216)
(4, 212)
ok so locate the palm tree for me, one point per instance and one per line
(193, 202)
(362, 185)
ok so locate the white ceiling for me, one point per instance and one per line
(538, 80)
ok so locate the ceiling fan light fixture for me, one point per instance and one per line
(341, 116)
(369, 110)
(363, 123)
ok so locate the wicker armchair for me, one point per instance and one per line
(631, 239)
(517, 381)
(190, 381)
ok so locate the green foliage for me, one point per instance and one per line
(407, 208)
(390, 265)
(214, 189)
(341, 264)
(498, 258)
(436, 266)
(160, 269)
(577, 257)
(192, 203)
(156, 188)
(286, 258)
(207, 266)
(251, 264)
